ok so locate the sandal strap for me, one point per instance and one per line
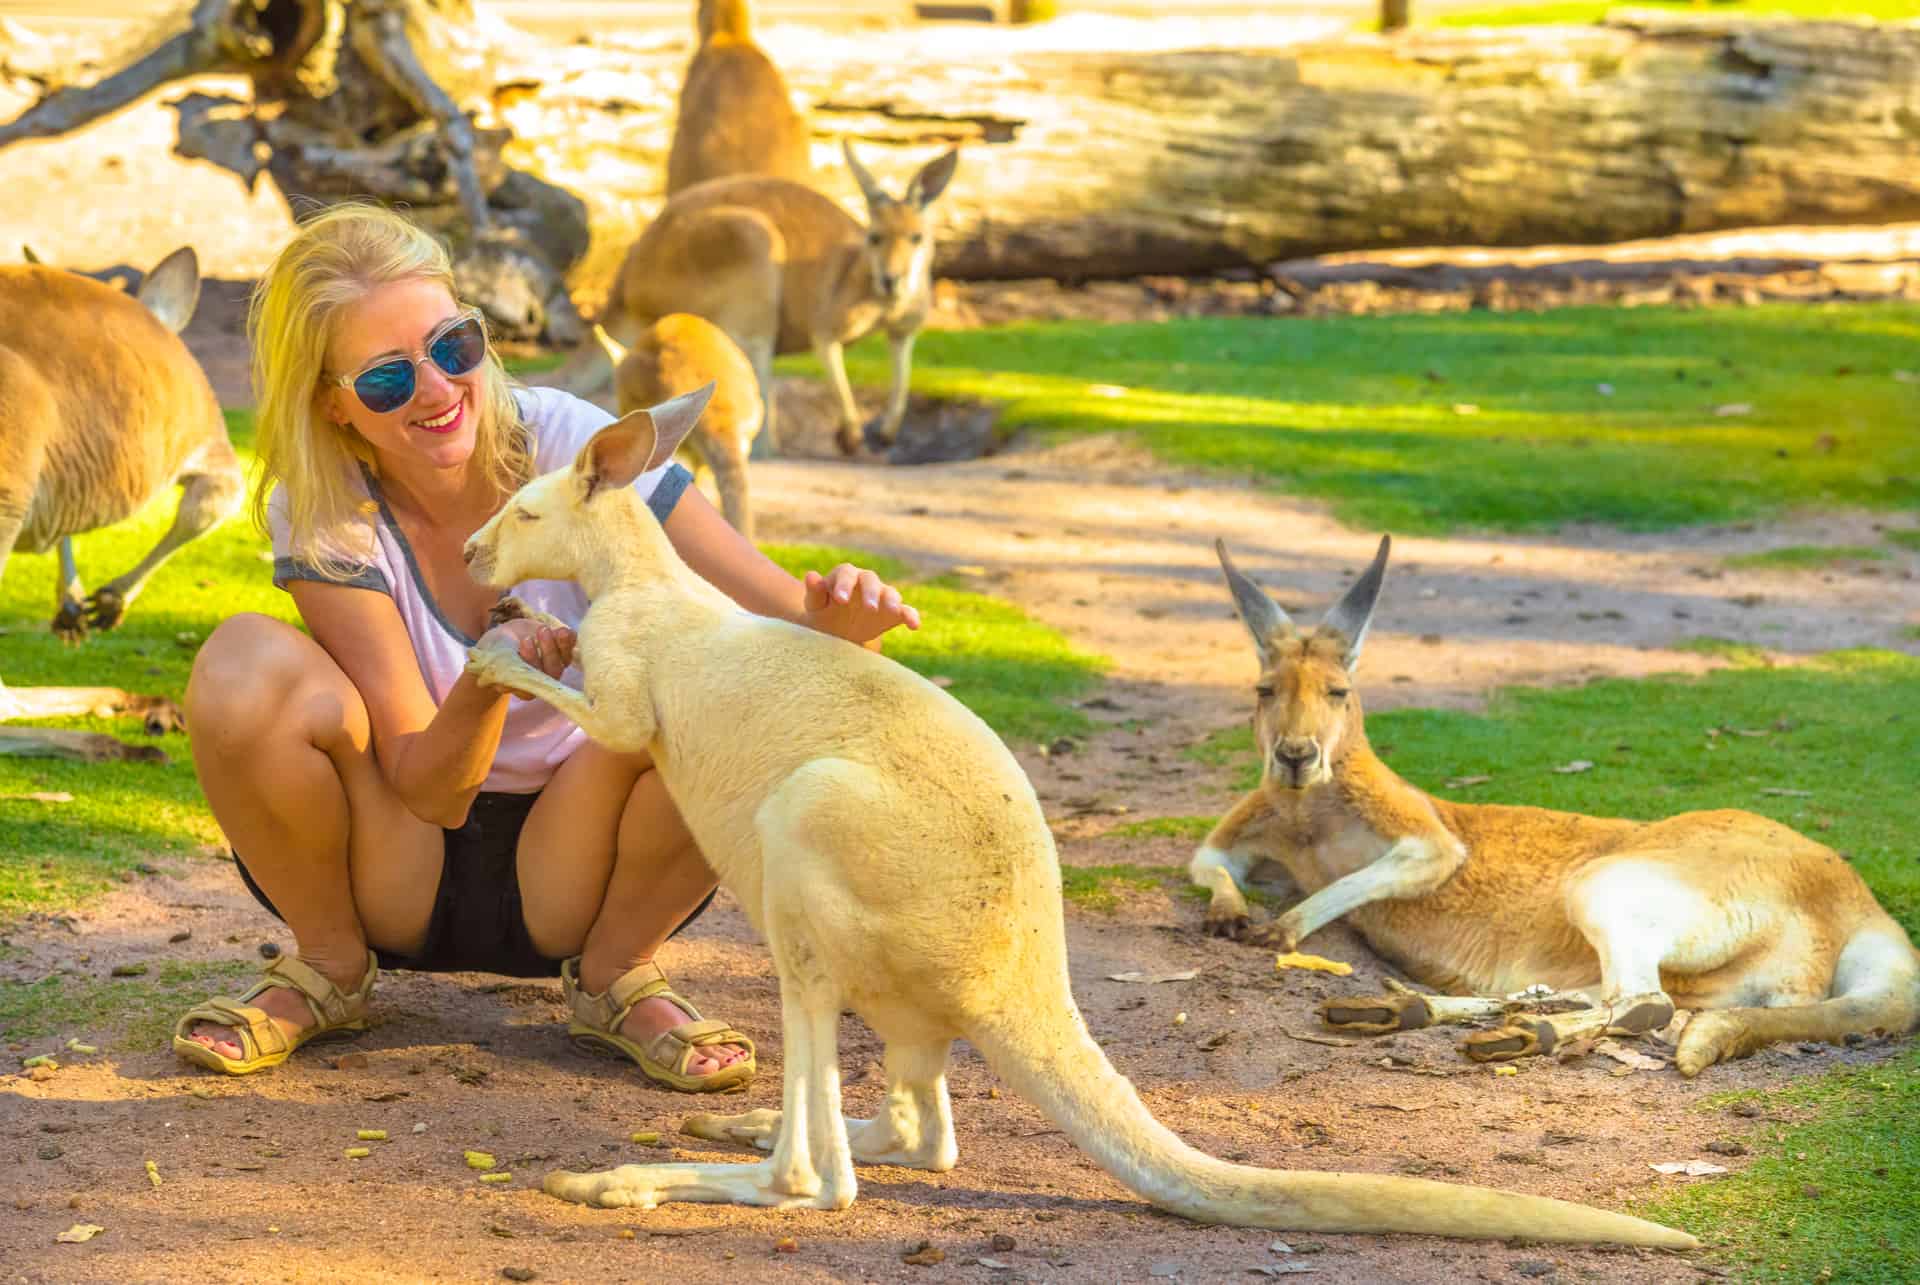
(259, 1037)
(608, 1009)
(676, 1047)
(331, 1006)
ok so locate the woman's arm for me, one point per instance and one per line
(848, 602)
(435, 758)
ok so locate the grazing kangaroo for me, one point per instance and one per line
(783, 269)
(1773, 935)
(101, 408)
(681, 353)
(736, 115)
(890, 850)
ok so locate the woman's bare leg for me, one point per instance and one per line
(607, 872)
(284, 753)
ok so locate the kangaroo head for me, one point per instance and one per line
(898, 245)
(551, 528)
(1306, 707)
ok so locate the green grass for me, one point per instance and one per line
(1589, 11)
(1099, 887)
(1851, 738)
(1015, 673)
(1012, 671)
(1831, 1197)
(1905, 539)
(1740, 655)
(130, 1013)
(1193, 828)
(1343, 409)
(1808, 556)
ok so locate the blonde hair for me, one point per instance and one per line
(331, 262)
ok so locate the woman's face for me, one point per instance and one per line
(437, 425)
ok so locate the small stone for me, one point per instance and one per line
(75, 1202)
(520, 1273)
(1534, 1267)
(350, 1062)
(50, 1151)
(185, 934)
(1746, 1110)
(925, 1254)
(1001, 1242)
(1726, 1148)
(129, 970)
(269, 951)
(146, 868)
(421, 1127)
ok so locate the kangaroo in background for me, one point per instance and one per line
(782, 268)
(887, 845)
(736, 115)
(681, 353)
(101, 408)
(1773, 935)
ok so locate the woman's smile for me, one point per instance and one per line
(443, 422)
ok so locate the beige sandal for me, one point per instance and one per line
(336, 1013)
(663, 1058)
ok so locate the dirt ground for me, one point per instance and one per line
(1094, 539)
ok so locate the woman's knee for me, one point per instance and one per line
(258, 677)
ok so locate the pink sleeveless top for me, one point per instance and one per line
(536, 739)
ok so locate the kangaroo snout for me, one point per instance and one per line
(1294, 757)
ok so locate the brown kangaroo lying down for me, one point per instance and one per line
(1771, 933)
(891, 851)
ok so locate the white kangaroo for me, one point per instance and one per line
(1773, 934)
(893, 854)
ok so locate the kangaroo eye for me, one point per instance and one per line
(873, 239)
(1264, 693)
(1336, 693)
(918, 238)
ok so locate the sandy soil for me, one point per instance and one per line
(1090, 537)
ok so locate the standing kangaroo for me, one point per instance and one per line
(888, 847)
(736, 115)
(101, 408)
(1774, 935)
(783, 269)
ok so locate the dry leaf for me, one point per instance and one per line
(1578, 765)
(1734, 408)
(1691, 1168)
(1462, 782)
(40, 796)
(1312, 963)
(1185, 975)
(1327, 1040)
(79, 1233)
(1627, 1057)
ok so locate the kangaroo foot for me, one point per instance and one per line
(1377, 1014)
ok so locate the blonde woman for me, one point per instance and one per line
(391, 811)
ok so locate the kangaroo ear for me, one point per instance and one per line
(26, 252)
(1264, 618)
(1352, 615)
(641, 440)
(932, 179)
(869, 187)
(172, 290)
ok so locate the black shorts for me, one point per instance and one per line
(477, 924)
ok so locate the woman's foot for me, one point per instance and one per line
(286, 1007)
(651, 1017)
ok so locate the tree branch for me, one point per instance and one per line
(383, 43)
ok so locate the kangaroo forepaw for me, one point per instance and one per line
(69, 624)
(511, 608)
(1377, 1014)
(1520, 1037)
(1232, 924)
(105, 608)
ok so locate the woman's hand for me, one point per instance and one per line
(854, 604)
(547, 649)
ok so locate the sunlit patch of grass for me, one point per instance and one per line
(1099, 887)
(133, 1013)
(1828, 1198)
(1906, 539)
(1738, 654)
(1808, 556)
(1193, 828)
(1359, 410)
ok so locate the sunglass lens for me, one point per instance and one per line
(386, 387)
(461, 348)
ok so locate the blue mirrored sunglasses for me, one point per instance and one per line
(456, 347)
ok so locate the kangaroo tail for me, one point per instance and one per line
(1054, 1062)
(1876, 990)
